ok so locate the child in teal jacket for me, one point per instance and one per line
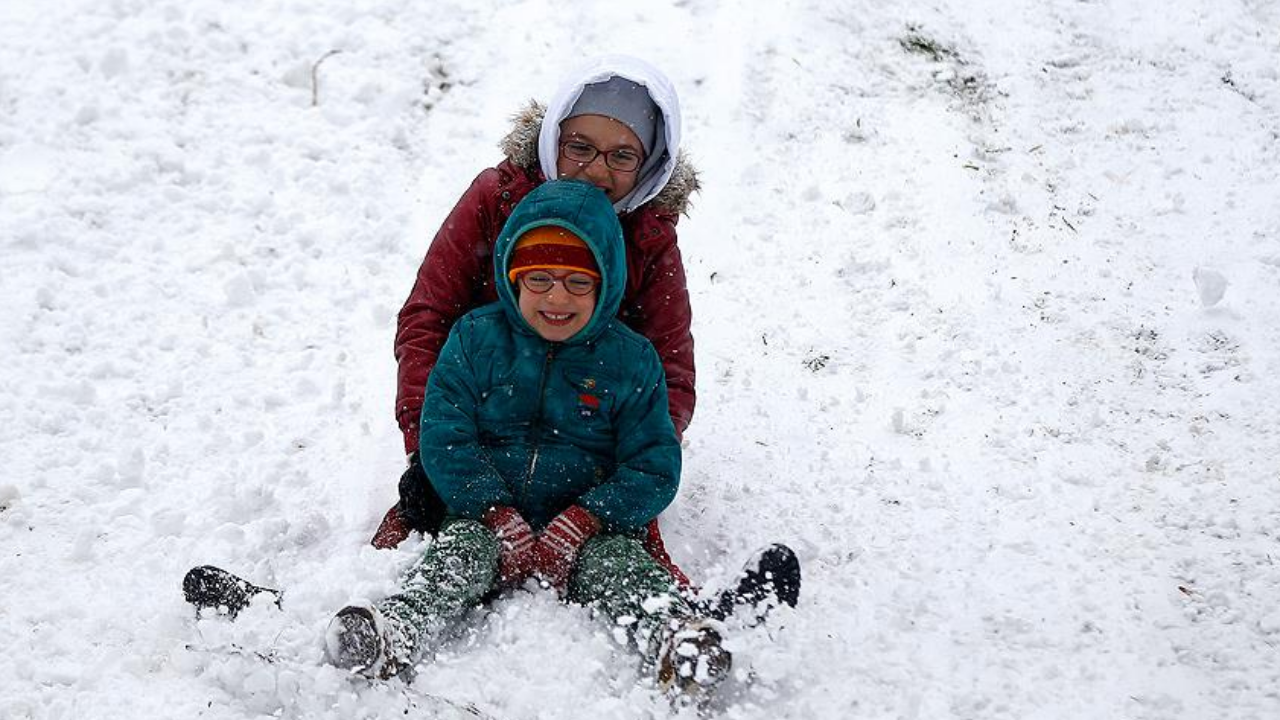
(545, 430)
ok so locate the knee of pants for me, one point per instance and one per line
(609, 564)
(617, 551)
(469, 536)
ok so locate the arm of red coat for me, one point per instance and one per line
(450, 283)
(660, 311)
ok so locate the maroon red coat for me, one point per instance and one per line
(457, 276)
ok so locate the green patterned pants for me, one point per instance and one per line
(614, 574)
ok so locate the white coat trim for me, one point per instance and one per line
(597, 70)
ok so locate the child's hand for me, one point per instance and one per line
(516, 555)
(556, 551)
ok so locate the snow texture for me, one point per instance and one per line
(952, 339)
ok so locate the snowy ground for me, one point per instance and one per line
(949, 341)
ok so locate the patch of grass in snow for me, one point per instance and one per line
(916, 42)
(958, 74)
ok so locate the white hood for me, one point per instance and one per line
(600, 69)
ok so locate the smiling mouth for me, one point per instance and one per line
(557, 318)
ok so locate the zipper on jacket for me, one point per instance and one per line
(537, 420)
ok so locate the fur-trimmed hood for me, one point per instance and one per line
(521, 145)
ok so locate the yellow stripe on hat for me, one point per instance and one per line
(550, 247)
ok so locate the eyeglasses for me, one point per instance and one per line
(622, 159)
(540, 282)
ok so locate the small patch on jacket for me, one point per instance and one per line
(588, 405)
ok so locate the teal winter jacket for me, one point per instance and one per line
(512, 419)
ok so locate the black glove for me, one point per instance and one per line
(420, 506)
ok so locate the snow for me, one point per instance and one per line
(985, 296)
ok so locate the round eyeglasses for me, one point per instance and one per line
(541, 281)
(622, 159)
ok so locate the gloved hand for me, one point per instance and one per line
(391, 531)
(557, 549)
(419, 508)
(515, 556)
(420, 505)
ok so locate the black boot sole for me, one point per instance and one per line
(209, 587)
(771, 578)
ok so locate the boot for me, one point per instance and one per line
(212, 587)
(771, 578)
(361, 640)
(691, 660)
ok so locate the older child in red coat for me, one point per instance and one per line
(616, 124)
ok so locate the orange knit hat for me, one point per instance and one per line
(551, 248)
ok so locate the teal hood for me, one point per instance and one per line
(585, 211)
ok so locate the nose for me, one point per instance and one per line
(558, 294)
(596, 169)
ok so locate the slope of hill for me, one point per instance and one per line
(986, 305)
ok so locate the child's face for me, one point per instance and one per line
(606, 135)
(557, 314)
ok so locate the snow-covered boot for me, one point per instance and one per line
(692, 660)
(209, 587)
(771, 578)
(360, 639)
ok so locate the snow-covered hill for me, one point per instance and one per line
(987, 309)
